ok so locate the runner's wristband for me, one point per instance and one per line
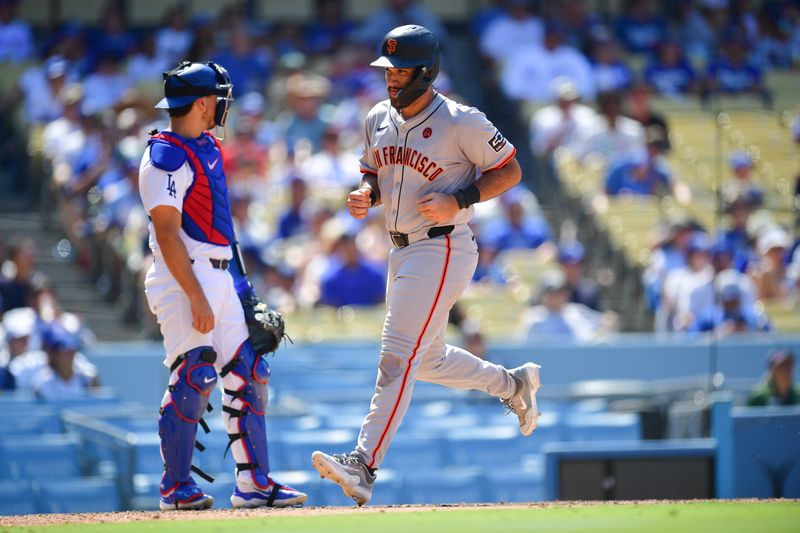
(467, 196)
(373, 197)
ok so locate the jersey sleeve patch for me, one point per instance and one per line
(167, 156)
(497, 142)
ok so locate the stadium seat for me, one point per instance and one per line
(292, 451)
(40, 457)
(603, 426)
(444, 486)
(29, 420)
(410, 453)
(514, 485)
(81, 495)
(16, 497)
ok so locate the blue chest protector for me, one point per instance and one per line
(206, 214)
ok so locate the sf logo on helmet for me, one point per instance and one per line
(391, 46)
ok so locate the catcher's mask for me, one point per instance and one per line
(189, 81)
(414, 47)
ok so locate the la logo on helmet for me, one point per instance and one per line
(391, 46)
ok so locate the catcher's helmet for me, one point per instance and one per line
(189, 81)
(411, 46)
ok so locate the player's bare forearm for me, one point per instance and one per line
(371, 181)
(497, 181)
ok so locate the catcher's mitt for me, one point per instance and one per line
(265, 325)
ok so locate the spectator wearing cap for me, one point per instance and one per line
(742, 183)
(669, 254)
(19, 325)
(644, 172)
(556, 318)
(63, 376)
(679, 283)
(731, 309)
(40, 86)
(769, 272)
(349, 278)
(617, 136)
(544, 64)
(566, 123)
(777, 388)
(520, 227)
(16, 38)
(112, 37)
(518, 24)
(62, 136)
(669, 73)
(582, 290)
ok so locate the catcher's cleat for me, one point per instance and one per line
(276, 496)
(184, 497)
(523, 403)
(349, 472)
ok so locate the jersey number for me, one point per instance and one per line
(171, 186)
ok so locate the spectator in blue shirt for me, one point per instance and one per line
(735, 237)
(729, 315)
(329, 29)
(293, 221)
(639, 28)
(642, 173)
(349, 278)
(581, 289)
(248, 66)
(670, 74)
(611, 73)
(733, 73)
(517, 229)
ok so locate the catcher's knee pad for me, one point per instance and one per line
(192, 380)
(245, 402)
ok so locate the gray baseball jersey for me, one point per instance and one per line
(442, 149)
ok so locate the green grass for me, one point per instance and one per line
(706, 517)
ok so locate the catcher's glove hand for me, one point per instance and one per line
(265, 326)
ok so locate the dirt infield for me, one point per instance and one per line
(233, 514)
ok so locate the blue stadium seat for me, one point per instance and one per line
(81, 495)
(514, 485)
(443, 486)
(147, 453)
(603, 427)
(292, 451)
(40, 457)
(410, 453)
(16, 497)
(489, 447)
(24, 419)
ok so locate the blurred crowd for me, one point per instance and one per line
(40, 343)
(296, 131)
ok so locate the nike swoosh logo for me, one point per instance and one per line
(382, 128)
(208, 380)
(213, 164)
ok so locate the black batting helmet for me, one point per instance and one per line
(415, 47)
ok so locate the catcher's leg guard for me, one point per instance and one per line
(244, 403)
(192, 380)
